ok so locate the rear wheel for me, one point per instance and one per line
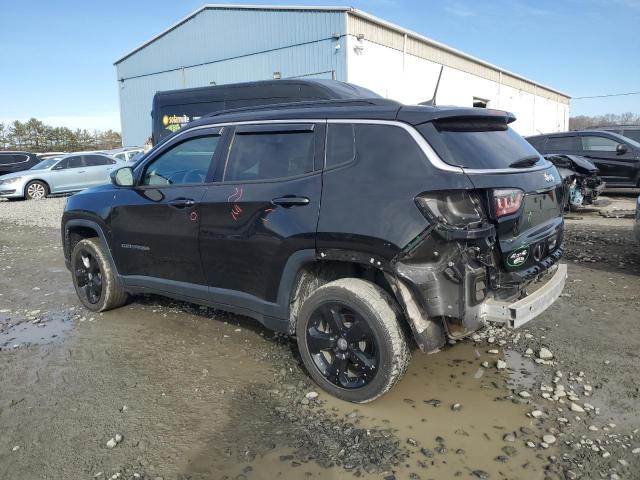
(36, 190)
(95, 281)
(351, 341)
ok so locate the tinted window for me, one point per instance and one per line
(186, 163)
(97, 160)
(75, 162)
(634, 134)
(537, 142)
(265, 155)
(8, 159)
(562, 144)
(121, 156)
(341, 144)
(476, 143)
(599, 144)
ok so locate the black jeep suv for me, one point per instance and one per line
(353, 225)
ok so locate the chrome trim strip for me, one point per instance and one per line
(426, 148)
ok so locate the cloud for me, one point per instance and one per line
(104, 121)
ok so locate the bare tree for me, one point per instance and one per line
(581, 122)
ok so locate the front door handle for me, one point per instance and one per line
(182, 202)
(289, 201)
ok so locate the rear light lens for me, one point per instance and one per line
(458, 208)
(507, 201)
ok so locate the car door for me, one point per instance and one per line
(155, 224)
(261, 211)
(66, 176)
(616, 167)
(98, 169)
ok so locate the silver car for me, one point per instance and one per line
(68, 173)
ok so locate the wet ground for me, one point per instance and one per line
(200, 394)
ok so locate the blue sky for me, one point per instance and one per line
(56, 57)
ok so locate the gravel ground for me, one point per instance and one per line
(38, 213)
(164, 389)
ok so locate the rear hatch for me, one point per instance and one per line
(522, 192)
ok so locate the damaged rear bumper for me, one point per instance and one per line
(518, 313)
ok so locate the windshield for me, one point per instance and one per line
(478, 143)
(43, 165)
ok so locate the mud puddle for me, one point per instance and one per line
(449, 415)
(49, 328)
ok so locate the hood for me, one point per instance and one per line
(22, 173)
(573, 162)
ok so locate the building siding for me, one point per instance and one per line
(228, 46)
(412, 79)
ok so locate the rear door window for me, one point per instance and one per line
(275, 152)
(11, 159)
(476, 143)
(97, 160)
(562, 144)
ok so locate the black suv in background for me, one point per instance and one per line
(351, 225)
(617, 157)
(11, 162)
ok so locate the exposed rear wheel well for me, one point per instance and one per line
(315, 274)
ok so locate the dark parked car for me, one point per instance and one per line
(173, 109)
(11, 162)
(348, 226)
(581, 178)
(631, 131)
(617, 157)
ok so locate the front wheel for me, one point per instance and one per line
(36, 190)
(351, 341)
(96, 283)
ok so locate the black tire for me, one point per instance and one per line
(36, 190)
(384, 350)
(95, 281)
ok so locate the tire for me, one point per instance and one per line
(95, 281)
(371, 338)
(36, 190)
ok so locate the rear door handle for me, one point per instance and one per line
(182, 202)
(289, 201)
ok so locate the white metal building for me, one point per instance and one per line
(220, 44)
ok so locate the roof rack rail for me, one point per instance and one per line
(351, 102)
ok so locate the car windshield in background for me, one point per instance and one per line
(481, 143)
(43, 165)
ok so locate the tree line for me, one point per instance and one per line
(34, 136)
(581, 122)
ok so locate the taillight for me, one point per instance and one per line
(507, 201)
(458, 208)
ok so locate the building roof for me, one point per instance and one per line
(355, 13)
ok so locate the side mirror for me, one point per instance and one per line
(122, 177)
(621, 149)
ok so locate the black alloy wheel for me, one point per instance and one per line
(342, 345)
(89, 276)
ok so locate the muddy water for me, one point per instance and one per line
(51, 327)
(465, 442)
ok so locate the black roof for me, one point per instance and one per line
(369, 109)
(291, 88)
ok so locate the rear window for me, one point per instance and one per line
(476, 143)
(10, 159)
